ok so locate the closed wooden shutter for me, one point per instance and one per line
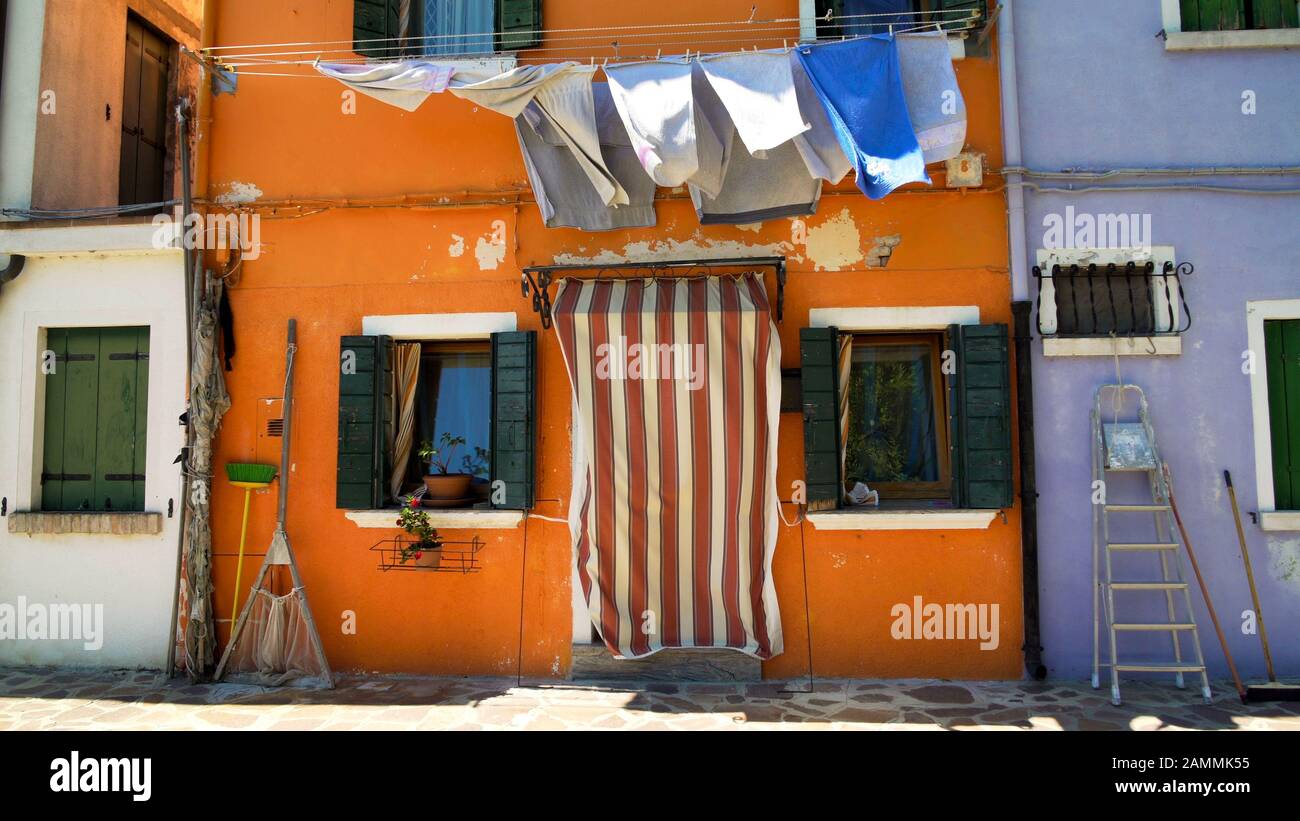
(980, 416)
(1282, 354)
(1275, 14)
(144, 115)
(519, 24)
(376, 20)
(819, 370)
(366, 385)
(514, 418)
(96, 413)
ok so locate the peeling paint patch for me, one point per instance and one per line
(490, 255)
(237, 193)
(835, 244)
(880, 252)
(1284, 561)
(697, 247)
(457, 247)
(753, 227)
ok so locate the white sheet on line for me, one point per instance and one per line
(757, 88)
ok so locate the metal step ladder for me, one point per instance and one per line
(1129, 446)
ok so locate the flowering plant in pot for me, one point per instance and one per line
(416, 522)
(443, 485)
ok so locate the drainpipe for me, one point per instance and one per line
(13, 269)
(1021, 308)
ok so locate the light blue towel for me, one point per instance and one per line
(861, 87)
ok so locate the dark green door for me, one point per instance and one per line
(1282, 353)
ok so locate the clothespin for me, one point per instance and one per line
(658, 53)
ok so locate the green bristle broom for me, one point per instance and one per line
(248, 476)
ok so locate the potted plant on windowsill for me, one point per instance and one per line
(444, 488)
(426, 550)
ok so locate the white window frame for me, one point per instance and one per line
(437, 327)
(1176, 39)
(1257, 311)
(902, 319)
(1105, 345)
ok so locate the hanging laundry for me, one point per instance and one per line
(563, 94)
(934, 100)
(757, 88)
(404, 84)
(657, 103)
(564, 195)
(819, 146)
(752, 188)
(860, 84)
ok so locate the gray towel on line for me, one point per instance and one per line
(818, 146)
(934, 100)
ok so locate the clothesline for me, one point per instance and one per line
(581, 45)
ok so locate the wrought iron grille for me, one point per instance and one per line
(1127, 300)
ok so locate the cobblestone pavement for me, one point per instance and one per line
(41, 699)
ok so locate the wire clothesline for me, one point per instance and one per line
(782, 29)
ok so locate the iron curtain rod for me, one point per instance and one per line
(536, 279)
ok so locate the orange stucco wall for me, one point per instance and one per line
(288, 142)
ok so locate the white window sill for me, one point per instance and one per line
(1279, 520)
(877, 519)
(1221, 40)
(1106, 346)
(469, 519)
(42, 522)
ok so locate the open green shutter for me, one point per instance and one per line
(980, 416)
(1282, 355)
(365, 421)
(519, 24)
(514, 418)
(819, 375)
(375, 20)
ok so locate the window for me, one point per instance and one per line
(1097, 292)
(953, 13)
(145, 88)
(919, 418)
(1282, 355)
(96, 398)
(1237, 15)
(445, 27)
(479, 391)
(897, 440)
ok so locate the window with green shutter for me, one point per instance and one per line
(96, 411)
(925, 416)
(1237, 15)
(1282, 356)
(473, 403)
(444, 27)
(854, 18)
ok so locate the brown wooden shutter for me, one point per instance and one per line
(144, 115)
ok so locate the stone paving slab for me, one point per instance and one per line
(45, 699)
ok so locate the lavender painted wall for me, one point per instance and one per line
(1098, 90)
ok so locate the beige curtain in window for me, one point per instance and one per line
(406, 371)
(846, 371)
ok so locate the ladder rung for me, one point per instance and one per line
(1148, 585)
(1176, 626)
(1158, 667)
(1136, 508)
(1142, 546)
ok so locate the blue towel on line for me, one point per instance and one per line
(861, 87)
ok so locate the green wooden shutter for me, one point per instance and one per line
(514, 417)
(375, 20)
(1276, 14)
(819, 375)
(366, 385)
(1282, 355)
(519, 23)
(118, 485)
(980, 416)
(1212, 15)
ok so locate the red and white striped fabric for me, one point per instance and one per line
(674, 512)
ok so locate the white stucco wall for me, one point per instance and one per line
(133, 577)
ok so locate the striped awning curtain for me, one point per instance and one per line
(674, 509)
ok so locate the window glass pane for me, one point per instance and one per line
(891, 436)
(453, 397)
(458, 17)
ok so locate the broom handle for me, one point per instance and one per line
(1205, 592)
(1250, 577)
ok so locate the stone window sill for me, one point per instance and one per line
(36, 522)
(468, 519)
(1107, 346)
(1279, 520)
(1222, 40)
(887, 519)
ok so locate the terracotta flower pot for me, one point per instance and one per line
(447, 486)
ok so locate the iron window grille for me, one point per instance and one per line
(1129, 300)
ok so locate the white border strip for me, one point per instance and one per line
(439, 326)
